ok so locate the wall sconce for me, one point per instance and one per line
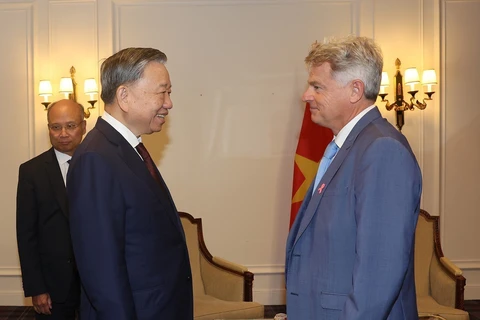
(68, 86)
(429, 78)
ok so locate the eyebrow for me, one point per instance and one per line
(314, 83)
(165, 86)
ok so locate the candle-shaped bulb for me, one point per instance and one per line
(411, 78)
(90, 88)
(45, 89)
(429, 78)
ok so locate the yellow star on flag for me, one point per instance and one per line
(308, 168)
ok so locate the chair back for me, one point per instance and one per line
(424, 251)
(191, 229)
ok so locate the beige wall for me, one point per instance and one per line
(237, 72)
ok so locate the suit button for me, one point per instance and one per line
(189, 278)
(69, 261)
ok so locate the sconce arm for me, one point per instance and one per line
(86, 113)
(387, 103)
(421, 105)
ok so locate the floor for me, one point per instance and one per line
(472, 306)
(27, 313)
(271, 311)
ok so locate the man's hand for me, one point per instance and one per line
(42, 303)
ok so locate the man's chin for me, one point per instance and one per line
(64, 150)
(317, 120)
(156, 128)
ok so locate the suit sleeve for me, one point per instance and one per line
(27, 235)
(387, 188)
(97, 223)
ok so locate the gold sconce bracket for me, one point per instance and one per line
(411, 79)
(68, 86)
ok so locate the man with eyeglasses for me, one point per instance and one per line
(49, 273)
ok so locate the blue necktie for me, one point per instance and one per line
(330, 152)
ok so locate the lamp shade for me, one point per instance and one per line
(45, 88)
(90, 86)
(429, 77)
(385, 81)
(66, 85)
(411, 76)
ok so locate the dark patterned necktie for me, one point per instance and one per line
(149, 163)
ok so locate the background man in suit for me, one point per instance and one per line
(44, 246)
(127, 236)
(350, 250)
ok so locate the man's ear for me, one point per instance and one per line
(358, 88)
(122, 96)
(84, 126)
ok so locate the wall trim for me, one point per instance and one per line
(472, 292)
(10, 272)
(14, 298)
(467, 264)
(270, 297)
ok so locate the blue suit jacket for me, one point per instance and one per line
(127, 237)
(350, 250)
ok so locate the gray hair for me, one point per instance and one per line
(124, 67)
(350, 58)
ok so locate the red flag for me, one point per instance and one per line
(312, 142)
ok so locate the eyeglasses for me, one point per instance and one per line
(69, 127)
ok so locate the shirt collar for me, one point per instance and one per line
(343, 134)
(61, 157)
(122, 129)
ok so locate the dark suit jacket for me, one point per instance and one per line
(43, 236)
(127, 236)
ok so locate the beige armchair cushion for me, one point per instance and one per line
(210, 308)
(430, 306)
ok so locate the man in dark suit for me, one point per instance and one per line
(127, 236)
(350, 250)
(44, 246)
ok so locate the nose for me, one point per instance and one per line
(168, 103)
(63, 132)
(307, 96)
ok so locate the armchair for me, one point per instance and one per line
(439, 283)
(221, 289)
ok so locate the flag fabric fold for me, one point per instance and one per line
(312, 141)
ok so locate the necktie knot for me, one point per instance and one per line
(152, 168)
(331, 150)
(143, 152)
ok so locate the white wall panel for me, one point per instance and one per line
(73, 42)
(16, 124)
(460, 146)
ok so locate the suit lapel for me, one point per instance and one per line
(316, 198)
(55, 178)
(133, 161)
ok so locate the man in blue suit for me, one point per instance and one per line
(350, 252)
(127, 236)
